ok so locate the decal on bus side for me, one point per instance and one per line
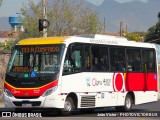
(95, 82)
(119, 82)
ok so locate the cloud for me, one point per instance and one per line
(96, 2)
(124, 1)
(99, 2)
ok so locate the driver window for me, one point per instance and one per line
(73, 59)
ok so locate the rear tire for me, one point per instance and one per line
(68, 107)
(127, 104)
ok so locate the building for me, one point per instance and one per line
(14, 32)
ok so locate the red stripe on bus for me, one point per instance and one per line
(141, 82)
(29, 91)
(134, 81)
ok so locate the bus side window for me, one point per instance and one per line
(98, 59)
(95, 58)
(117, 59)
(137, 61)
(73, 59)
(152, 63)
(148, 60)
(77, 60)
(144, 61)
(104, 62)
(87, 58)
(130, 60)
(68, 63)
(133, 60)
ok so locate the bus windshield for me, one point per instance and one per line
(32, 61)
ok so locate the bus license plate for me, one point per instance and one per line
(26, 105)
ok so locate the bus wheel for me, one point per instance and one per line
(127, 104)
(68, 106)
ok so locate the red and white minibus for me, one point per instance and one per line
(81, 72)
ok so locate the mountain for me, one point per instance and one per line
(136, 15)
(4, 24)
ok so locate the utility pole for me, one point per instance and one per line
(44, 6)
(121, 28)
(104, 29)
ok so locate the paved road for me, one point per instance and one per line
(140, 110)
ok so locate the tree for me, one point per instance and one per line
(159, 16)
(153, 32)
(9, 43)
(134, 36)
(65, 17)
(1, 2)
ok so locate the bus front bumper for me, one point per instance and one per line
(53, 101)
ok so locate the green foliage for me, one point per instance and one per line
(142, 34)
(134, 36)
(153, 32)
(65, 17)
(7, 45)
(159, 16)
(30, 22)
(1, 2)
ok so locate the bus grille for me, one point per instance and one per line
(33, 103)
(33, 97)
(88, 101)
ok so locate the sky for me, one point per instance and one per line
(11, 7)
(99, 2)
(124, 1)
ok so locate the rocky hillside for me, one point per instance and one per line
(3, 64)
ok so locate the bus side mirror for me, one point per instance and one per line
(12, 49)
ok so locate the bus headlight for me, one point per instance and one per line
(8, 93)
(49, 91)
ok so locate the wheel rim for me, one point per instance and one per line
(128, 103)
(67, 106)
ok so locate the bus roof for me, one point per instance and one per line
(59, 40)
(42, 41)
(95, 39)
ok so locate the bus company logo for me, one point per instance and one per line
(15, 91)
(26, 94)
(6, 114)
(103, 41)
(95, 82)
(21, 115)
(88, 81)
(92, 82)
(119, 82)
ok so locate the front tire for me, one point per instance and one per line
(68, 107)
(127, 104)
